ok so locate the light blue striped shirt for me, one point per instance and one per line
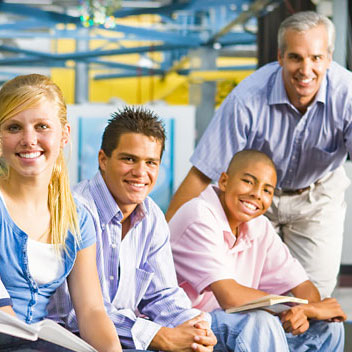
(258, 115)
(136, 274)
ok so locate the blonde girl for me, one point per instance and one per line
(45, 237)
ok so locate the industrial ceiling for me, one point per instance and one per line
(180, 27)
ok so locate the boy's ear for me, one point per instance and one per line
(223, 181)
(102, 159)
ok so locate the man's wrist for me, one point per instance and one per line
(161, 340)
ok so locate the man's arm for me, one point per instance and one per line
(193, 184)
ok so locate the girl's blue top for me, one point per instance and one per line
(28, 299)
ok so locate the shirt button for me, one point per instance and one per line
(111, 277)
(113, 245)
(103, 227)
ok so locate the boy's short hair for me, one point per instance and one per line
(251, 153)
(132, 119)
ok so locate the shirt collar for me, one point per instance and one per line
(105, 202)
(107, 207)
(210, 195)
(278, 93)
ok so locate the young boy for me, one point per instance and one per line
(227, 254)
(134, 257)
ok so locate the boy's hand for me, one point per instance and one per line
(294, 320)
(327, 309)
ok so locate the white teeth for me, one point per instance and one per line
(137, 184)
(249, 206)
(29, 155)
(308, 80)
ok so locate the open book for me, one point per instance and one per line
(272, 303)
(46, 330)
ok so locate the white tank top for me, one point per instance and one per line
(44, 264)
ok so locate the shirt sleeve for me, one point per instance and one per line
(5, 299)
(282, 272)
(199, 249)
(86, 226)
(226, 134)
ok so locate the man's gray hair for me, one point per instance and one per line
(302, 22)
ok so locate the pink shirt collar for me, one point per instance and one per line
(211, 196)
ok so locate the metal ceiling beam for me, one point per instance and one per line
(187, 33)
(152, 34)
(45, 17)
(192, 5)
(135, 68)
(243, 17)
(33, 56)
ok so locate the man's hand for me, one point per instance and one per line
(192, 335)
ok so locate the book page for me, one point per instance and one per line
(13, 326)
(50, 331)
(268, 301)
(46, 330)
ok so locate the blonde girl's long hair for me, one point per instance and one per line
(17, 95)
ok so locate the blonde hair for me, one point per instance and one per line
(22, 93)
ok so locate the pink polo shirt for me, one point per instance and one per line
(204, 252)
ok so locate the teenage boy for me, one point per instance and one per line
(227, 254)
(134, 257)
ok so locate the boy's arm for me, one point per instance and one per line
(307, 290)
(230, 294)
(325, 309)
(296, 319)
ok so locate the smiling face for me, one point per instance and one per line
(131, 171)
(247, 190)
(32, 139)
(304, 63)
